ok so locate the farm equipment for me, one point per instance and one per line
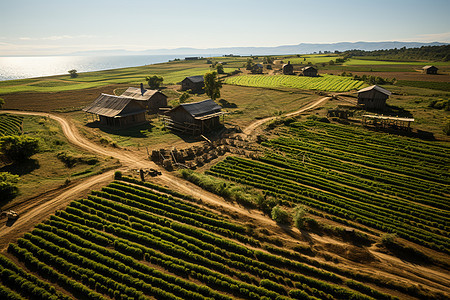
(11, 215)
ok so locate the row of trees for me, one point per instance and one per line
(436, 53)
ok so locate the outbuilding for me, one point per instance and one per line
(430, 70)
(193, 83)
(194, 118)
(373, 97)
(309, 71)
(117, 111)
(288, 69)
(152, 100)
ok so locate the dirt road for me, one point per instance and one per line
(250, 128)
(34, 212)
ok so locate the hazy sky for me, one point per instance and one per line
(58, 26)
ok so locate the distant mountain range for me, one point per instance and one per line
(302, 48)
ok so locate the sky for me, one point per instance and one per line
(52, 27)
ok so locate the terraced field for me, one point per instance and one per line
(324, 83)
(10, 124)
(357, 177)
(139, 240)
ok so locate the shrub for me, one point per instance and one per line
(17, 148)
(73, 73)
(299, 215)
(8, 186)
(117, 175)
(184, 97)
(279, 215)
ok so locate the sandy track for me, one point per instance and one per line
(36, 211)
(250, 128)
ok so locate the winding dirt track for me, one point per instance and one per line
(34, 212)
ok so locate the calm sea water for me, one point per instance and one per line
(37, 66)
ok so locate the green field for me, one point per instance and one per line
(173, 73)
(10, 124)
(135, 240)
(355, 177)
(323, 83)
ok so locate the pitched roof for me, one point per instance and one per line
(196, 79)
(136, 93)
(309, 68)
(377, 88)
(427, 67)
(110, 106)
(199, 110)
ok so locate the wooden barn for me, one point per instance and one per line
(309, 71)
(194, 118)
(193, 83)
(373, 97)
(152, 100)
(288, 69)
(117, 111)
(430, 70)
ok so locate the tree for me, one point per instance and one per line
(8, 186)
(219, 68)
(154, 82)
(16, 147)
(73, 73)
(2, 102)
(299, 216)
(249, 64)
(184, 97)
(257, 69)
(279, 215)
(212, 85)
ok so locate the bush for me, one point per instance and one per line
(446, 128)
(184, 97)
(155, 81)
(299, 215)
(279, 215)
(8, 186)
(117, 175)
(17, 148)
(73, 73)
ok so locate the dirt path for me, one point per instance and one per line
(250, 128)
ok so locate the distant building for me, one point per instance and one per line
(117, 111)
(288, 69)
(309, 71)
(430, 70)
(192, 58)
(153, 100)
(373, 97)
(194, 83)
(194, 118)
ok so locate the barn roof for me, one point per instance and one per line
(136, 93)
(196, 79)
(427, 67)
(309, 68)
(377, 88)
(201, 110)
(111, 106)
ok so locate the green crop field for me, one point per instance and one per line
(356, 177)
(135, 240)
(314, 59)
(10, 124)
(323, 83)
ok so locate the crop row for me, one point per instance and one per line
(282, 187)
(324, 82)
(10, 124)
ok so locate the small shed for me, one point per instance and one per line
(117, 111)
(387, 122)
(373, 97)
(194, 118)
(309, 71)
(193, 83)
(288, 69)
(430, 70)
(153, 100)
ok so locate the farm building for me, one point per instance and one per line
(430, 70)
(309, 71)
(288, 69)
(117, 111)
(152, 100)
(373, 97)
(194, 118)
(193, 83)
(387, 122)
